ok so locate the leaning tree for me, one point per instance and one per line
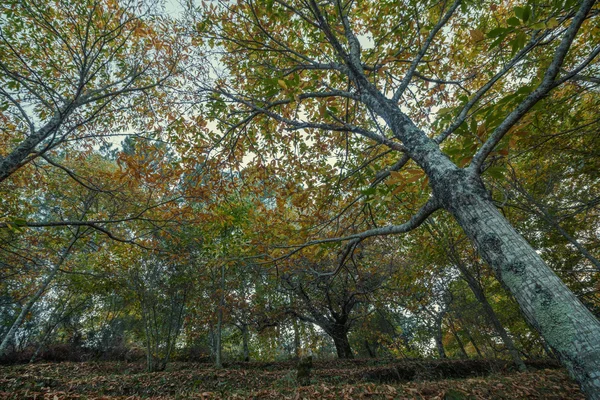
(412, 93)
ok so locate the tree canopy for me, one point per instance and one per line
(406, 178)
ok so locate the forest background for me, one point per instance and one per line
(263, 180)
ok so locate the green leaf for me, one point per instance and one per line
(514, 21)
(495, 172)
(269, 5)
(526, 13)
(19, 221)
(518, 42)
(496, 42)
(519, 12)
(497, 32)
(369, 191)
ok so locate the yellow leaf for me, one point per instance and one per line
(476, 35)
(397, 190)
(395, 177)
(282, 84)
(552, 23)
(481, 130)
(413, 178)
(464, 161)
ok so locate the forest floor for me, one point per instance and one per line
(334, 379)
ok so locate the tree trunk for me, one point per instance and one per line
(547, 304)
(29, 305)
(297, 344)
(438, 336)
(340, 340)
(369, 349)
(218, 345)
(458, 340)
(492, 317)
(245, 340)
(472, 340)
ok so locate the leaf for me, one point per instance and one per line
(413, 178)
(518, 42)
(464, 161)
(552, 23)
(519, 12)
(19, 221)
(526, 13)
(369, 191)
(513, 21)
(497, 32)
(481, 130)
(496, 172)
(476, 35)
(282, 83)
(397, 190)
(395, 177)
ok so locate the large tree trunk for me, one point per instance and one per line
(339, 334)
(547, 304)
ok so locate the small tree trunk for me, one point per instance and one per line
(472, 340)
(30, 303)
(369, 350)
(491, 315)
(218, 359)
(297, 344)
(458, 340)
(438, 336)
(245, 340)
(553, 222)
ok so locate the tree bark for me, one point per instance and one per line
(340, 340)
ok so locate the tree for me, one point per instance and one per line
(162, 288)
(299, 68)
(334, 302)
(70, 69)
